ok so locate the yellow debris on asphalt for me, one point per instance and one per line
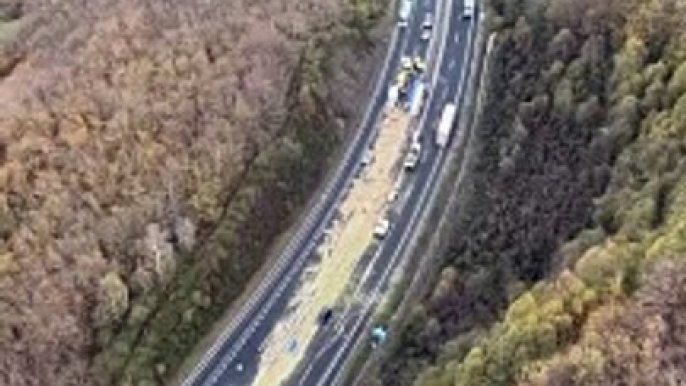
(342, 249)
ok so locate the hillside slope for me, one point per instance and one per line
(150, 153)
(566, 266)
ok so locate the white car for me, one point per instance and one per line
(427, 26)
(368, 157)
(381, 229)
(406, 63)
(404, 12)
(412, 158)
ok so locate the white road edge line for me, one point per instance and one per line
(412, 220)
(319, 354)
(420, 125)
(378, 250)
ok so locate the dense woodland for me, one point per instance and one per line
(150, 153)
(566, 266)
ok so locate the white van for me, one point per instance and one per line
(404, 12)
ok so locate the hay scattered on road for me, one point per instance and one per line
(342, 249)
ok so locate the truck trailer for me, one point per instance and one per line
(414, 95)
(417, 98)
(445, 126)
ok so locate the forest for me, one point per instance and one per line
(151, 152)
(566, 266)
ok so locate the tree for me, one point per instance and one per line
(563, 100)
(627, 73)
(679, 115)
(654, 97)
(104, 106)
(625, 117)
(114, 299)
(588, 112)
(608, 142)
(677, 83)
(563, 46)
(522, 35)
(640, 343)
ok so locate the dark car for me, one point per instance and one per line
(325, 316)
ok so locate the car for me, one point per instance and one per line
(417, 136)
(368, 157)
(419, 64)
(404, 12)
(381, 229)
(393, 195)
(427, 26)
(406, 62)
(412, 158)
(401, 80)
(426, 34)
(468, 10)
(428, 20)
(325, 316)
(379, 335)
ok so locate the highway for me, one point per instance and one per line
(233, 359)
(335, 343)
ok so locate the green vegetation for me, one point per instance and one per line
(277, 184)
(151, 154)
(568, 259)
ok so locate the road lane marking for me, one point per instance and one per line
(407, 234)
(245, 336)
(400, 245)
(445, 24)
(368, 271)
(319, 354)
(435, 74)
(301, 233)
(377, 292)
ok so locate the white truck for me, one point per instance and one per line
(404, 12)
(445, 125)
(468, 10)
